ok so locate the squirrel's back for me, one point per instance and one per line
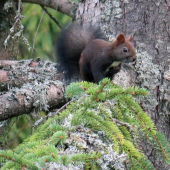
(72, 41)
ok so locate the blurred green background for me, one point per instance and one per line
(45, 45)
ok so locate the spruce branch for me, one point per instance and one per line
(149, 128)
(15, 158)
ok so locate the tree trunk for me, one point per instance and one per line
(9, 43)
(149, 22)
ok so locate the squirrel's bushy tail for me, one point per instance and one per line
(72, 42)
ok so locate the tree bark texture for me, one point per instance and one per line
(39, 78)
(16, 73)
(8, 44)
(38, 96)
(149, 22)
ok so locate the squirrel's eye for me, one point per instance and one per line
(125, 49)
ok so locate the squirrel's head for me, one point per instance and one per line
(124, 49)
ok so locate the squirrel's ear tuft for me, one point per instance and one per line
(130, 38)
(120, 39)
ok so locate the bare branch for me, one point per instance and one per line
(37, 97)
(37, 32)
(49, 14)
(123, 124)
(65, 6)
(60, 110)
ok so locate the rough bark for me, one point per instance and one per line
(36, 80)
(16, 73)
(149, 21)
(35, 96)
(8, 51)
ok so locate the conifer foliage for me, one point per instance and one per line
(99, 129)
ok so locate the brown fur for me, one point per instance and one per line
(99, 55)
(85, 50)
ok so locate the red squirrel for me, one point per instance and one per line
(85, 50)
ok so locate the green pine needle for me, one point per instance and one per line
(99, 129)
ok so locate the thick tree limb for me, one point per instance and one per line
(4, 63)
(37, 97)
(16, 73)
(65, 6)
